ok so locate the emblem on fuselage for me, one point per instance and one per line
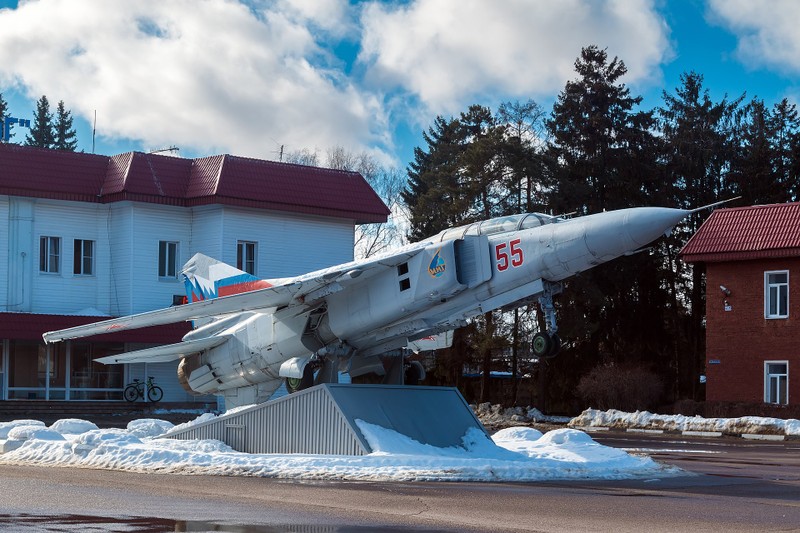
(437, 266)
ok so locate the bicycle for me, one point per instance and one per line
(135, 390)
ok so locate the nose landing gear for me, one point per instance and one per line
(547, 344)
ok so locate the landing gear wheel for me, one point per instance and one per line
(555, 347)
(297, 384)
(542, 344)
(414, 373)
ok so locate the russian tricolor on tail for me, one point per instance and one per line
(205, 278)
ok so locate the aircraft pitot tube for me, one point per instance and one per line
(251, 333)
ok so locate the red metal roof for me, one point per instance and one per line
(40, 173)
(221, 179)
(755, 232)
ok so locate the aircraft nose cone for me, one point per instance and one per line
(616, 233)
(646, 224)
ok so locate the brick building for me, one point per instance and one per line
(752, 260)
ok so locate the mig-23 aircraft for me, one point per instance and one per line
(250, 334)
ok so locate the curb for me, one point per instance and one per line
(702, 433)
(753, 436)
(688, 433)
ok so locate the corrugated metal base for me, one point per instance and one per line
(322, 419)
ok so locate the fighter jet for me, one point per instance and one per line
(251, 334)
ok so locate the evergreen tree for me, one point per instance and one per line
(752, 172)
(603, 156)
(41, 132)
(64, 134)
(433, 196)
(699, 147)
(463, 177)
(785, 143)
(3, 113)
(595, 133)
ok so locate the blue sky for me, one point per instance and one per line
(219, 76)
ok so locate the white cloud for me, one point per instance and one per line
(213, 75)
(767, 31)
(334, 16)
(447, 52)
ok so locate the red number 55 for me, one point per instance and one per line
(501, 255)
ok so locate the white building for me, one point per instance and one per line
(84, 236)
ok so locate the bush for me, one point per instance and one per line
(628, 388)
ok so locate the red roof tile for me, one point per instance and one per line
(222, 179)
(40, 173)
(755, 232)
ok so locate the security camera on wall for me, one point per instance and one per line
(725, 290)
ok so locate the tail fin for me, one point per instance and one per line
(205, 278)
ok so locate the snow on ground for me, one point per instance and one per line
(515, 454)
(495, 416)
(645, 420)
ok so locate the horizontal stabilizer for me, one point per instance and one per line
(162, 354)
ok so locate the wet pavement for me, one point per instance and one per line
(24, 523)
(728, 486)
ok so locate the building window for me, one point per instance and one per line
(83, 258)
(167, 259)
(49, 254)
(246, 257)
(776, 294)
(776, 382)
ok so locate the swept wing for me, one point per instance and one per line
(299, 291)
(162, 354)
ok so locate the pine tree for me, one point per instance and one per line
(3, 113)
(433, 193)
(64, 133)
(752, 172)
(785, 143)
(595, 135)
(41, 132)
(699, 149)
(603, 156)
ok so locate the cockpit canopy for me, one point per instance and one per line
(498, 225)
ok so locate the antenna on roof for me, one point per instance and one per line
(171, 149)
(94, 128)
(280, 151)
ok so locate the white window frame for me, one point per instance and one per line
(168, 253)
(768, 294)
(79, 252)
(771, 379)
(242, 259)
(49, 260)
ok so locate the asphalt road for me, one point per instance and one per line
(730, 485)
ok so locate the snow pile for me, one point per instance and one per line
(23, 433)
(207, 417)
(495, 416)
(5, 427)
(149, 427)
(73, 426)
(678, 423)
(517, 454)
